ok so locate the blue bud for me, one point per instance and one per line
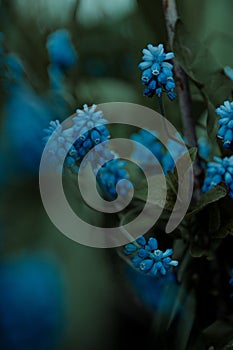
(153, 244)
(143, 253)
(155, 68)
(136, 260)
(95, 136)
(141, 240)
(146, 265)
(130, 248)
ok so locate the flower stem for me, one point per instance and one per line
(161, 106)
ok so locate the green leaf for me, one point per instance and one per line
(214, 221)
(196, 251)
(207, 198)
(201, 66)
(212, 124)
(172, 177)
(220, 334)
(225, 230)
(204, 70)
(183, 319)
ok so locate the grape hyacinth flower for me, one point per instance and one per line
(225, 132)
(85, 140)
(157, 72)
(148, 258)
(110, 174)
(218, 171)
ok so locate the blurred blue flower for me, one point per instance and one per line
(225, 131)
(157, 293)
(31, 302)
(204, 148)
(61, 51)
(158, 150)
(150, 141)
(218, 171)
(110, 174)
(11, 68)
(157, 72)
(26, 116)
(148, 258)
(14, 72)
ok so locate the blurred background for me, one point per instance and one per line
(55, 293)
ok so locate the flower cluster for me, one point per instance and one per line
(157, 72)
(148, 258)
(110, 174)
(88, 130)
(220, 170)
(225, 131)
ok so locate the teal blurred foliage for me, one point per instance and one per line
(31, 302)
(104, 297)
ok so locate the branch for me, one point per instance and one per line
(185, 101)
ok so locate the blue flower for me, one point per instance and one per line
(89, 126)
(61, 50)
(14, 69)
(26, 116)
(218, 171)
(110, 174)
(225, 132)
(158, 294)
(11, 68)
(148, 258)
(204, 148)
(157, 72)
(31, 302)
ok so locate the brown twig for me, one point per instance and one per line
(185, 102)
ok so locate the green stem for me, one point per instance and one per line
(161, 106)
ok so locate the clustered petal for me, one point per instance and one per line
(157, 72)
(146, 257)
(88, 130)
(225, 132)
(218, 171)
